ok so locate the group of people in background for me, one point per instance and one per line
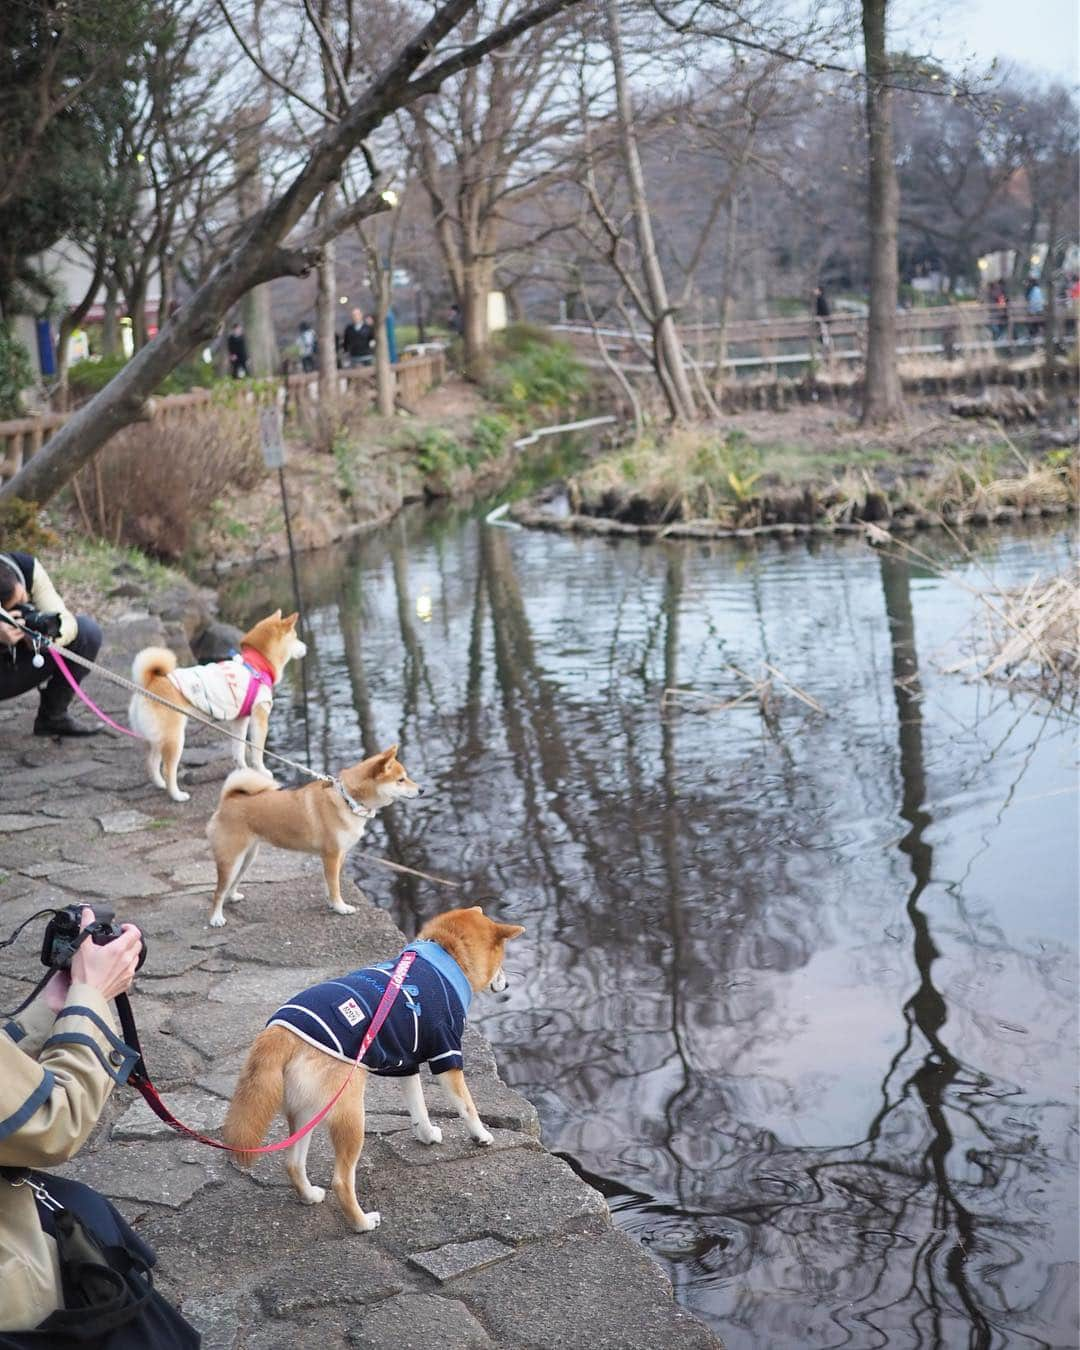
(354, 347)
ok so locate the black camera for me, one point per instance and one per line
(48, 625)
(62, 934)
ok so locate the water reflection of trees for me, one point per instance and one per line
(662, 913)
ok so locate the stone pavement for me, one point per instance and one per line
(503, 1246)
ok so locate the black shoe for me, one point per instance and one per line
(63, 725)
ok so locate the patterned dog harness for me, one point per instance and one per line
(226, 690)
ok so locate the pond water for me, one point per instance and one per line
(798, 993)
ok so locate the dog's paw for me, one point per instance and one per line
(217, 920)
(372, 1219)
(158, 781)
(429, 1134)
(180, 796)
(343, 908)
(238, 895)
(483, 1138)
(314, 1195)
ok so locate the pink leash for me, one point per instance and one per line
(140, 1080)
(65, 670)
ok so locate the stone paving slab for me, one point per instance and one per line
(461, 1258)
(479, 1247)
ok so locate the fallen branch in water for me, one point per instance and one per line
(761, 689)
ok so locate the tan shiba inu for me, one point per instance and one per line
(315, 818)
(237, 692)
(306, 1051)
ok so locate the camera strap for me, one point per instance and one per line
(139, 1078)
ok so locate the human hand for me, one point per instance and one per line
(109, 969)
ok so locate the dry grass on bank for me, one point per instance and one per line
(706, 475)
(155, 480)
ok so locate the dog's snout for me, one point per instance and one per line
(420, 791)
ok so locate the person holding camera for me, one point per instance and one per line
(27, 593)
(71, 1270)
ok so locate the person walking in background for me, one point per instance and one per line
(308, 345)
(456, 321)
(822, 315)
(356, 340)
(1036, 306)
(999, 313)
(238, 352)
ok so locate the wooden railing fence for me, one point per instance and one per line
(23, 437)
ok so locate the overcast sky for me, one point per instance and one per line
(1042, 35)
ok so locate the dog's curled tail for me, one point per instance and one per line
(258, 1094)
(249, 782)
(152, 662)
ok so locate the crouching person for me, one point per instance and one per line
(72, 1273)
(25, 583)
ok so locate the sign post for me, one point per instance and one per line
(271, 435)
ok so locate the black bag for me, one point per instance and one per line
(110, 1302)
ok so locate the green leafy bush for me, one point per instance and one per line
(438, 453)
(20, 527)
(540, 376)
(15, 373)
(490, 432)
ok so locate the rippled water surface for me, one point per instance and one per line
(798, 993)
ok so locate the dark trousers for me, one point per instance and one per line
(18, 676)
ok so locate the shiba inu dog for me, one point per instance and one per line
(307, 1049)
(315, 818)
(237, 692)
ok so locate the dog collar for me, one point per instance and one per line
(448, 968)
(259, 666)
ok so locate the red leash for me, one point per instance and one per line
(140, 1079)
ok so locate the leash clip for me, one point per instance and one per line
(43, 1196)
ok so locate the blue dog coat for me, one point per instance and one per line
(424, 1026)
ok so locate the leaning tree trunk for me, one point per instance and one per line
(669, 355)
(882, 395)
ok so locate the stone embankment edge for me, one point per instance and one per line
(501, 1247)
(533, 517)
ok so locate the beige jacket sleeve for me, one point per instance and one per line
(45, 597)
(49, 1104)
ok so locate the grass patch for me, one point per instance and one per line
(699, 474)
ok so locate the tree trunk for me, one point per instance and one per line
(1049, 278)
(668, 349)
(882, 395)
(475, 285)
(110, 326)
(255, 311)
(71, 320)
(326, 307)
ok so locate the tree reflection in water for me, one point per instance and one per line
(825, 1073)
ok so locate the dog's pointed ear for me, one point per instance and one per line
(505, 931)
(276, 614)
(290, 620)
(387, 756)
